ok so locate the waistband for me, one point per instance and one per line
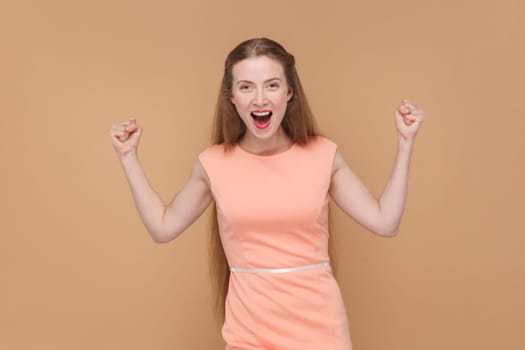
(282, 270)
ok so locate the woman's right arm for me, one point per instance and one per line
(164, 222)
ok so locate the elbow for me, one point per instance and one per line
(388, 231)
(388, 225)
(160, 237)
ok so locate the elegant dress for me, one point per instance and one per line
(273, 221)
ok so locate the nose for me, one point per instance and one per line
(259, 98)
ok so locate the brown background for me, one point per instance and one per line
(79, 271)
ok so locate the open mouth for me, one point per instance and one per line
(261, 119)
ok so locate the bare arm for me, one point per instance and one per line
(383, 215)
(164, 222)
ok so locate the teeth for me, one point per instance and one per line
(261, 114)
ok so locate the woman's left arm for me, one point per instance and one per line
(383, 215)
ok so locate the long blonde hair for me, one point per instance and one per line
(228, 129)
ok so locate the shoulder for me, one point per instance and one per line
(214, 158)
(211, 154)
(320, 141)
(325, 142)
(319, 152)
(212, 150)
(322, 145)
(329, 149)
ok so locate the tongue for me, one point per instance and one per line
(262, 122)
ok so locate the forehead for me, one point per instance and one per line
(258, 68)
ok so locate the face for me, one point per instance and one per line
(260, 94)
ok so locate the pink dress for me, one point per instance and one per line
(273, 221)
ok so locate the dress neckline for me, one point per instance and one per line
(267, 156)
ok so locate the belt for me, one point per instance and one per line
(281, 270)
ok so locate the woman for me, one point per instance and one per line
(270, 175)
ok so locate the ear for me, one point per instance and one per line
(289, 95)
(232, 99)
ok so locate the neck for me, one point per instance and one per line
(278, 143)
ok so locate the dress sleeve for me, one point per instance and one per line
(328, 149)
(210, 159)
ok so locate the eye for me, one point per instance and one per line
(244, 87)
(273, 85)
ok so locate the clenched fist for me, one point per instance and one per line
(408, 119)
(125, 137)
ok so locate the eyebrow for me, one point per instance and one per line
(251, 82)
